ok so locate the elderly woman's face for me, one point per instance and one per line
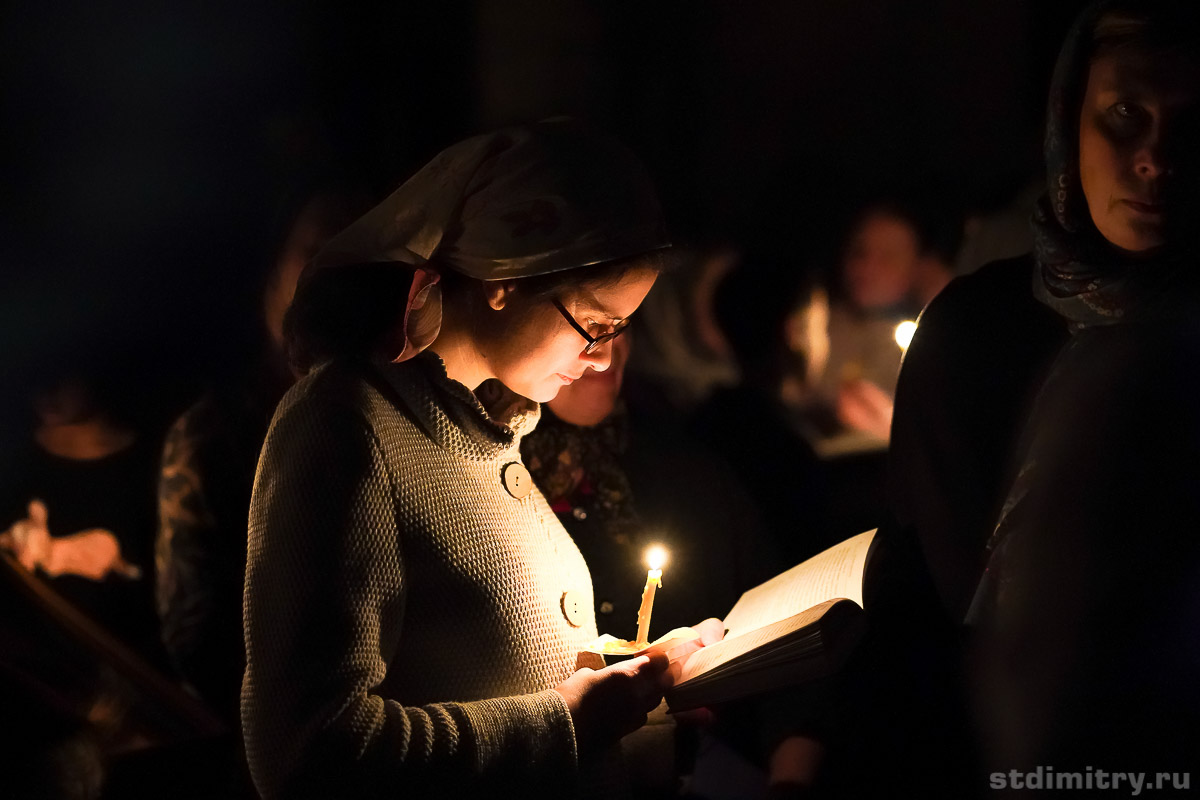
(534, 351)
(1136, 116)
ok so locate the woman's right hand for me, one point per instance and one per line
(29, 539)
(609, 703)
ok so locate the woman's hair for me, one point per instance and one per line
(348, 311)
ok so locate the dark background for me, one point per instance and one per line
(149, 147)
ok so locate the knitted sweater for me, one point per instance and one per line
(403, 613)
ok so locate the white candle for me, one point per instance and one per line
(904, 333)
(655, 558)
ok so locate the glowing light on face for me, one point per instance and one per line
(904, 333)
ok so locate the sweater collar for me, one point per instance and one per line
(479, 425)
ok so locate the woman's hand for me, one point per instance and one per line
(609, 703)
(863, 406)
(794, 764)
(711, 630)
(29, 539)
(93, 554)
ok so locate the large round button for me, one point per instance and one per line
(517, 480)
(573, 608)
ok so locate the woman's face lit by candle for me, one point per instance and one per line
(591, 399)
(532, 349)
(1135, 122)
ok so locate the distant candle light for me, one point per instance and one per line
(904, 333)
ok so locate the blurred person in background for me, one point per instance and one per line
(683, 357)
(888, 272)
(78, 498)
(209, 460)
(999, 233)
(755, 426)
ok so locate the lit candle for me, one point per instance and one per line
(904, 333)
(655, 558)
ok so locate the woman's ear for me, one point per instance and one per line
(497, 293)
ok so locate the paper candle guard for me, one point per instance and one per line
(609, 649)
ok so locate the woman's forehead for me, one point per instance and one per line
(1169, 75)
(615, 300)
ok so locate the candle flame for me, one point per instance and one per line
(656, 556)
(904, 333)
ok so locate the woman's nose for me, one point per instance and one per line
(601, 357)
(1150, 160)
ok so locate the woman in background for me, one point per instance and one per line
(1045, 440)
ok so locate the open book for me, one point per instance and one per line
(796, 627)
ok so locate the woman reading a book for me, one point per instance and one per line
(1046, 441)
(414, 609)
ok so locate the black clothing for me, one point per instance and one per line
(978, 359)
(1090, 653)
(115, 493)
(901, 704)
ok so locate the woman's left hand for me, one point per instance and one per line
(711, 630)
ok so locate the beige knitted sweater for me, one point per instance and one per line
(403, 618)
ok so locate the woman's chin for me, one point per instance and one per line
(543, 394)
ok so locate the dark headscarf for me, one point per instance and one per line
(1079, 274)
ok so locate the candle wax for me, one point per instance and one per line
(653, 581)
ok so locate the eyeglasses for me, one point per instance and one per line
(592, 341)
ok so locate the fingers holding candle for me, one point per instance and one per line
(609, 703)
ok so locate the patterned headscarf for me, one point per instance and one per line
(519, 202)
(1079, 274)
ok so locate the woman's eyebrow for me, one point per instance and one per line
(589, 301)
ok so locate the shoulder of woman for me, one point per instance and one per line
(1000, 287)
(340, 384)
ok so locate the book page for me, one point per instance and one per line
(837, 572)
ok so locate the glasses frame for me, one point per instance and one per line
(592, 341)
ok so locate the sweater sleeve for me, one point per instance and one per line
(324, 607)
